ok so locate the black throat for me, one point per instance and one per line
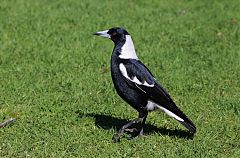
(115, 60)
(117, 50)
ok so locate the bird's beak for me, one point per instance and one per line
(103, 34)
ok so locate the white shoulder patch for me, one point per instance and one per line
(135, 79)
(128, 50)
(148, 85)
(124, 73)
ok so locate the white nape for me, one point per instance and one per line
(135, 79)
(128, 50)
(152, 106)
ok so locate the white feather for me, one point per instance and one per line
(128, 50)
(148, 85)
(152, 106)
(135, 79)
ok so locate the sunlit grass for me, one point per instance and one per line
(55, 79)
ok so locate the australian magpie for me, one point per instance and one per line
(136, 85)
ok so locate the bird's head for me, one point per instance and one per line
(116, 34)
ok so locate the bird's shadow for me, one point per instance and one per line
(108, 122)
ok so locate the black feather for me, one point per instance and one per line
(157, 93)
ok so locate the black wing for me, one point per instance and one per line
(140, 78)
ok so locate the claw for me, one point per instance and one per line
(142, 135)
(131, 130)
(141, 119)
(116, 137)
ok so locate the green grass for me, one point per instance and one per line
(55, 79)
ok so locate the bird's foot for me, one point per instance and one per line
(117, 136)
(141, 134)
(131, 130)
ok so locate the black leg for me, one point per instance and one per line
(141, 119)
(144, 117)
(118, 135)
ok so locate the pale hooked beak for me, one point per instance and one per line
(103, 34)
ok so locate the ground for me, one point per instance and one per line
(55, 78)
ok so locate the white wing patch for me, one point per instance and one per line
(151, 106)
(128, 50)
(135, 79)
(148, 85)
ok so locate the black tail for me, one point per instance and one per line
(160, 96)
(186, 121)
(189, 125)
(181, 117)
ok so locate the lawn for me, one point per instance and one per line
(55, 78)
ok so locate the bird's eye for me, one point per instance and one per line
(113, 34)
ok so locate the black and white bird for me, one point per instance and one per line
(136, 85)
